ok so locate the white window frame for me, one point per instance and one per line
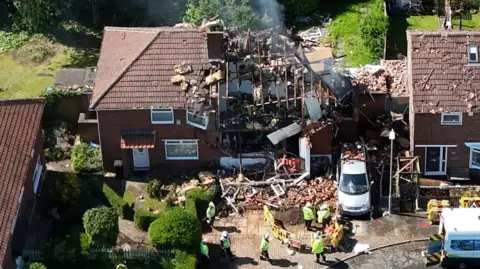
(474, 148)
(32, 153)
(20, 197)
(459, 114)
(161, 111)
(443, 159)
(191, 112)
(14, 222)
(473, 48)
(37, 176)
(181, 142)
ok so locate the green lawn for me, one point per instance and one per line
(431, 23)
(154, 204)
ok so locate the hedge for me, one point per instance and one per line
(201, 198)
(115, 200)
(86, 159)
(184, 260)
(143, 218)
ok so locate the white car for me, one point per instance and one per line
(353, 188)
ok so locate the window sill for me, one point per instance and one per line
(162, 122)
(182, 159)
(197, 125)
(451, 124)
(474, 167)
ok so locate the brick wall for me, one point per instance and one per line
(87, 129)
(8, 261)
(111, 123)
(70, 107)
(429, 131)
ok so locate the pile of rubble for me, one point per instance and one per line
(354, 151)
(389, 77)
(287, 189)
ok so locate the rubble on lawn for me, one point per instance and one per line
(389, 77)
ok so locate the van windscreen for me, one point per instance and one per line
(354, 184)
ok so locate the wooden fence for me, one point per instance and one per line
(109, 254)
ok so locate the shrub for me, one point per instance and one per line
(154, 189)
(190, 206)
(11, 41)
(184, 260)
(176, 228)
(36, 50)
(37, 265)
(201, 199)
(67, 188)
(70, 249)
(116, 201)
(101, 225)
(144, 218)
(86, 159)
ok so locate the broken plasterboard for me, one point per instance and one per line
(313, 106)
(284, 133)
(278, 190)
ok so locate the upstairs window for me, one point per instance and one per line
(197, 120)
(162, 116)
(454, 118)
(472, 54)
(37, 175)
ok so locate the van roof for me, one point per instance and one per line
(461, 219)
(353, 167)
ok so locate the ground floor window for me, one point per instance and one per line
(474, 155)
(181, 149)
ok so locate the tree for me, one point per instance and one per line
(37, 15)
(101, 225)
(67, 188)
(176, 228)
(234, 13)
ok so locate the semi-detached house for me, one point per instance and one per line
(22, 169)
(444, 82)
(143, 119)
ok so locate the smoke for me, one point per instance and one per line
(271, 12)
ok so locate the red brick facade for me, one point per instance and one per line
(429, 131)
(112, 122)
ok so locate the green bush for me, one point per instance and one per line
(10, 41)
(37, 265)
(116, 201)
(201, 199)
(101, 225)
(190, 206)
(176, 228)
(184, 260)
(36, 50)
(154, 189)
(144, 218)
(86, 159)
(70, 249)
(66, 188)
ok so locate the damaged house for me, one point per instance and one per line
(190, 96)
(444, 76)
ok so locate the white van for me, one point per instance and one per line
(457, 244)
(353, 188)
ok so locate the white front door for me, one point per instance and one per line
(436, 160)
(140, 159)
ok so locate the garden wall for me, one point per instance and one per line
(70, 107)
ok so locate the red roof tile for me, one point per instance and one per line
(440, 77)
(137, 139)
(19, 126)
(136, 66)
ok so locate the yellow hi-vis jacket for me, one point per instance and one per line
(204, 249)
(317, 246)
(323, 214)
(308, 213)
(264, 246)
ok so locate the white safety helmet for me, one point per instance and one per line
(204, 240)
(324, 207)
(224, 234)
(309, 204)
(211, 204)
(266, 236)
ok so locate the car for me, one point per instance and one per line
(353, 188)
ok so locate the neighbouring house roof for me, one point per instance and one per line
(75, 76)
(19, 126)
(137, 139)
(136, 66)
(439, 74)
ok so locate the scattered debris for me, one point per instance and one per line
(313, 34)
(182, 69)
(389, 77)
